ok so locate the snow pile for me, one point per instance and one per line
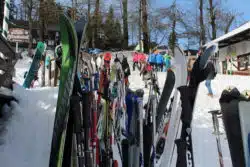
(27, 126)
(29, 131)
(204, 141)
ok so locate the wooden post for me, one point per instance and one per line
(55, 75)
(50, 73)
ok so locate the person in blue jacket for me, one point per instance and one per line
(152, 59)
(159, 62)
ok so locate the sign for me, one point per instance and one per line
(18, 35)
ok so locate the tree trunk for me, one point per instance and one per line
(212, 18)
(89, 9)
(30, 29)
(140, 24)
(125, 23)
(229, 24)
(202, 26)
(95, 25)
(145, 26)
(42, 33)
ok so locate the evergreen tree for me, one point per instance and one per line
(13, 10)
(109, 29)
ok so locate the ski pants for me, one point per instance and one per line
(208, 85)
(136, 64)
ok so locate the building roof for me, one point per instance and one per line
(239, 34)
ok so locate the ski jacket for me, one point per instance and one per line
(152, 58)
(125, 67)
(159, 58)
(99, 62)
(167, 63)
(142, 57)
(135, 57)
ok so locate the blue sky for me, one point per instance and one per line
(240, 6)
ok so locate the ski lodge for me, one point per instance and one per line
(234, 50)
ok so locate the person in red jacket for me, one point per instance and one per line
(146, 72)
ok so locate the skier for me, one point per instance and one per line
(126, 70)
(152, 59)
(167, 61)
(107, 59)
(146, 73)
(98, 62)
(135, 60)
(159, 62)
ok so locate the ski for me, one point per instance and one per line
(35, 65)
(245, 128)
(165, 95)
(67, 76)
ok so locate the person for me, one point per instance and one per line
(146, 72)
(107, 60)
(152, 59)
(211, 73)
(159, 62)
(135, 60)
(126, 70)
(167, 61)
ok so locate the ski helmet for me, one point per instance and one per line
(107, 56)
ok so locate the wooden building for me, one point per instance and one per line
(233, 50)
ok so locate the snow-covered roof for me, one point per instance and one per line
(236, 31)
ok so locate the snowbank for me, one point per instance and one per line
(28, 132)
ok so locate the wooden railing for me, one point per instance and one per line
(7, 62)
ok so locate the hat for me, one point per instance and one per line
(107, 56)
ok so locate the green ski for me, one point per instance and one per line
(68, 70)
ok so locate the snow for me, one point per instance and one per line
(204, 141)
(26, 129)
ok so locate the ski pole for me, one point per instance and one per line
(217, 133)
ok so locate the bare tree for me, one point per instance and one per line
(202, 26)
(212, 15)
(30, 6)
(145, 26)
(225, 19)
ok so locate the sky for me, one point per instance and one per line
(240, 6)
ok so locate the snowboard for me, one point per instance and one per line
(67, 74)
(245, 128)
(35, 65)
(205, 57)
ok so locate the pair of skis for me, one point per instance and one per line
(62, 152)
